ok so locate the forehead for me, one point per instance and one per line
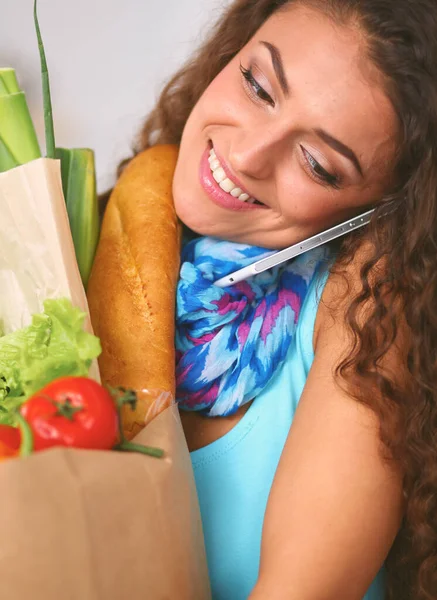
(332, 83)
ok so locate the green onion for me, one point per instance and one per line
(18, 141)
(78, 178)
(47, 101)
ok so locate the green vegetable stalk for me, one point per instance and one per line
(26, 446)
(78, 178)
(19, 145)
(80, 192)
(18, 141)
(47, 101)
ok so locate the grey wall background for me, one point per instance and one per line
(108, 60)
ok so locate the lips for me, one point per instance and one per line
(216, 193)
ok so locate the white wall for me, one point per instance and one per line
(107, 61)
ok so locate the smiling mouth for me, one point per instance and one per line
(225, 183)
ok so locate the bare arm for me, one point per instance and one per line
(335, 505)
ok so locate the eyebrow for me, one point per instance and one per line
(340, 148)
(335, 144)
(278, 66)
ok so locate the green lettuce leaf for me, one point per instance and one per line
(53, 345)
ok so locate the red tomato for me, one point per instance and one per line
(72, 411)
(6, 452)
(10, 440)
(10, 437)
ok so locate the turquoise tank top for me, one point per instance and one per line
(234, 474)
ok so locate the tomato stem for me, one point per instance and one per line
(67, 409)
(121, 397)
(126, 446)
(26, 446)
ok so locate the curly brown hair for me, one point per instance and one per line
(401, 40)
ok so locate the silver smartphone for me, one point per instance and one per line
(292, 251)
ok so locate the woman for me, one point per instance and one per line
(308, 112)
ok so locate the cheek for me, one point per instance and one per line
(203, 115)
(209, 118)
(304, 202)
(219, 104)
(317, 209)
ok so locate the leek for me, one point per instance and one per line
(19, 145)
(79, 186)
(78, 178)
(18, 140)
(47, 100)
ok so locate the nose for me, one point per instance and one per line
(256, 153)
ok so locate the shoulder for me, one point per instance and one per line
(332, 477)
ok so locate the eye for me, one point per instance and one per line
(254, 86)
(318, 172)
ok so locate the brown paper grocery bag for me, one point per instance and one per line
(37, 257)
(91, 525)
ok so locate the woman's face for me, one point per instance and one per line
(301, 134)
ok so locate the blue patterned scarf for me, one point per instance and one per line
(230, 341)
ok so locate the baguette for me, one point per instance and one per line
(132, 287)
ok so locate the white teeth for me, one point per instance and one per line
(226, 185)
(214, 164)
(219, 174)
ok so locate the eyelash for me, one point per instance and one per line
(317, 171)
(254, 86)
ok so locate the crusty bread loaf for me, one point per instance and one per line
(132, 287)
